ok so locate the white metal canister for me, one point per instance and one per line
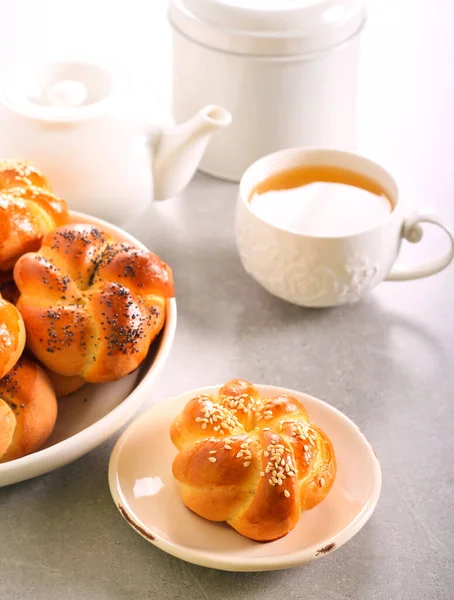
(287, 70)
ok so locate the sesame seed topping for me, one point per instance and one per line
(216, 416)
(240, 403)
(286, 493)
(321, 482)
(303, 431)
(279, 459)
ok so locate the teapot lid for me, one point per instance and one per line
(62, 91)
(268, 27)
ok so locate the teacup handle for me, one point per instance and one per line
(413, 233)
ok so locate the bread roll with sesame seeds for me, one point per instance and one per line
(91, 306)
(12, 336)
(28, 410)
(28, 210)
(256, 463)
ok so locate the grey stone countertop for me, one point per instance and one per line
(387, 362)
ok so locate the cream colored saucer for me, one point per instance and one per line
(147, 496)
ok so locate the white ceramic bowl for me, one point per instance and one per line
(94, 413)
(147, 496)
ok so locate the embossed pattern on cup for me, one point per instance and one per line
(305, 272)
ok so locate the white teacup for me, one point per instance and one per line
(321, 271)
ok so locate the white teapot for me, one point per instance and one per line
(74, 121)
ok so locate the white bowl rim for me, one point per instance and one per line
(205, 559)
(89, 438)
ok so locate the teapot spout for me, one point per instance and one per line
(178, 151)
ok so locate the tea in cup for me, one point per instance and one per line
(323, 227)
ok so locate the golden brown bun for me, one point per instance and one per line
(28, 410)
(91, 306)
(28, 210)
(64, 386)
(253, 462)
(8, 289)
(12, 336)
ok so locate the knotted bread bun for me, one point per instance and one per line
(64, 386)
(253, 462)
(28, 210)
(28, 410)
(12, 336)
(91, 306)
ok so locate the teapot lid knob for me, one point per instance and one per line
(62, 91)
(67, 93)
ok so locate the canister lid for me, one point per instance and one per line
(268, 27)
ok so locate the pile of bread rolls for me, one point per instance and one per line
(76, 306)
